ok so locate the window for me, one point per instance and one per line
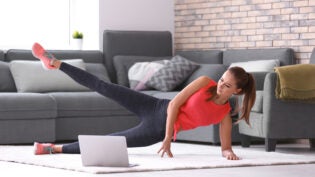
(24, 22)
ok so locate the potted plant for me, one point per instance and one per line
(77, 40)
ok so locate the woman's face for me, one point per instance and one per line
(227, 85)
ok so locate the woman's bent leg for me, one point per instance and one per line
(138, 136)
(72, 148)
(150, 131)
(135, 137)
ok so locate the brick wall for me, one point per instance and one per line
(230, 24)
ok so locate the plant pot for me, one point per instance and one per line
(77, 44)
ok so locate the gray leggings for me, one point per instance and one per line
(151, 111)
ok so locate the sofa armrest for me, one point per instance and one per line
(285, 119)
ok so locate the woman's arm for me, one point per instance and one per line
(172, 111)
(225, 138)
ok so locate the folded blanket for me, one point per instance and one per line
(296, 82)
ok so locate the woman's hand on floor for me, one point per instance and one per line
(166, 148)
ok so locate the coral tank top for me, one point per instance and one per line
(196, 111)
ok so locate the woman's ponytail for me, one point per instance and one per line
(245, 81)
(249, 97)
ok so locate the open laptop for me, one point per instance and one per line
(106, 151)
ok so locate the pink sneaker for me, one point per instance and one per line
(46, 58)
(43, 148)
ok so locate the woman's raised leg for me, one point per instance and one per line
(150, 110)
(134, 101)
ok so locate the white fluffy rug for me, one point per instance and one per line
(186, 156)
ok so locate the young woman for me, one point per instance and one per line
(202, 102)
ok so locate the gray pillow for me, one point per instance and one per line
(214, 71)
(172, 74)
(29, 76)
(258, 65)
(98, 70)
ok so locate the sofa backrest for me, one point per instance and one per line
(93, 59)
(210, 64)
(203, 56)
(88, 56)
(284, 55)
(135, 43)
(93, 62)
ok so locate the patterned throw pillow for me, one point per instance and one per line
(140, 72)
(172, 74)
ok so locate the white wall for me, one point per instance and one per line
(85, 18)
(91, 17)
(150, 15)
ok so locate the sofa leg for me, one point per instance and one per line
(245, 140)
(270, 144)
(312, 144)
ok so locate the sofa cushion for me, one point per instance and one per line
(258, 65)
(214, 71)
(255, 128)
(150, 92)
(99, 70)
(17, 106)
(1, 55)
(29, 76)
(165, 95)
(6, 79)
(86, 104)
(140, 72)
(259, 78)
(123, 63)
(258, 105)
(172, 74)
(235, 103)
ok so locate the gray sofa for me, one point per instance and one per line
(57, 116)
(61, 116)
